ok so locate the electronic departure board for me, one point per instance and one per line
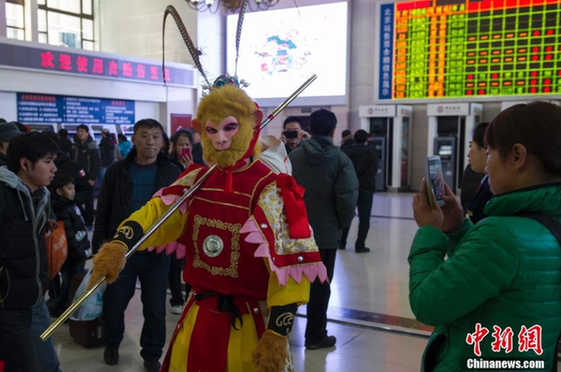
(452, 48)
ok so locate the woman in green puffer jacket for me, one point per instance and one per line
(502, 278)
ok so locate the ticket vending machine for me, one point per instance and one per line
(450, 130)
(390, 127)
(42, 127)
(95, 130)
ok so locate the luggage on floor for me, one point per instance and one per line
(85, 332)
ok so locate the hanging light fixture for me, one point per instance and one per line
(229, 6)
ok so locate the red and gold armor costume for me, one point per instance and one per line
(238, 244)
(250, 252)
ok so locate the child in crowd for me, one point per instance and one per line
(62, 199)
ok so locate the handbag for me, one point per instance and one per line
(57, 248)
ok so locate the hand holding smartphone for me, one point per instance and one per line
(434, 180)
(186, 152)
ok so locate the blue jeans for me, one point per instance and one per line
(47, 360)
(16, 345)
(152, 270)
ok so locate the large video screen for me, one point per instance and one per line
(452, 48)
(280, 49)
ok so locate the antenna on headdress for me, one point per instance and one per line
(241, 17)
(170, 9)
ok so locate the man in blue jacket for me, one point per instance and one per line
(331, 186)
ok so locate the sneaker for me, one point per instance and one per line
(177, 309)
(111, 355)
(362, 250)
(152, 365)
(327, 341)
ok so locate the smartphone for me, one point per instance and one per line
(290, 133)
(434, 180)
(185, 152)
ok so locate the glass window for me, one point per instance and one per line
(88, 45)
(67, 23)
(87, 7)
(87, 29)
(43, 38)
(64, 30)
(15, 21)
(72, 6)
(42, 22)
(14, 33)
(41, 2)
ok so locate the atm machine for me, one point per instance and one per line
(390, 127)
(42, 127)
(95, 130)
(126, 129)
(449, 133)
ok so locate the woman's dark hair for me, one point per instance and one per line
(122, 137)
(479, 134)
(536, 125)
(60, 180)
(32, 146)
(175, 138)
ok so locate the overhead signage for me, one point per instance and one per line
(41, 109)
(90, 65)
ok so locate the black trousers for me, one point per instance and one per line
(319, 300)
(16, 346)
(364, 206)
(174, 282)
(89, 208)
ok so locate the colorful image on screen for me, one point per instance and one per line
(282, 48)
(451, 48)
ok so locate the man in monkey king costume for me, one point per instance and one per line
(250, 253)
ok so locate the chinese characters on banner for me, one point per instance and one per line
(98, 64)
(386, 51)
(528, 339)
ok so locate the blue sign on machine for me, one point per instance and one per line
(42, 108)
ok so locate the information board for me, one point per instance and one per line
(453, 48)
(41, 108)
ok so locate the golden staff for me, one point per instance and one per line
(187, 193)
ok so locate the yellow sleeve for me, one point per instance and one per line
(292, 292)
(171, 230)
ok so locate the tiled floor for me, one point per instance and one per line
(365, 287)
(369, 293)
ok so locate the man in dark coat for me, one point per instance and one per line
(7, 132)
(126, 187)
(365, 161)
(331, 186)
(86, 153)
(24, 275)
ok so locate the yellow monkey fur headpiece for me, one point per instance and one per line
(221, 102)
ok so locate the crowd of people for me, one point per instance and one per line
(251, 245)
